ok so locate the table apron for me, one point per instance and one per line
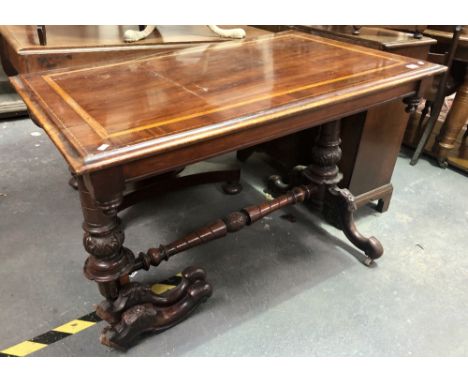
(170, 160)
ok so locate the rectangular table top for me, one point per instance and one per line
(101, 116)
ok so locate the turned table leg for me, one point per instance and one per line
(109, 262)
(324, 173)
(454, 123)
(130, 308)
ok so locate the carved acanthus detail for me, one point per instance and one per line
(344, 197)
(103, 245)
(327, 156)
(137, 309)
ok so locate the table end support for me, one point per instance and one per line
(324, 173)
(138, 309)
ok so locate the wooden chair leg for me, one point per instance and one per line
(439, 100)
(454, 123)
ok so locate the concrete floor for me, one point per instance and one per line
(281, 288)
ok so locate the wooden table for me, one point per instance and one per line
(83, 45)
(120, 122)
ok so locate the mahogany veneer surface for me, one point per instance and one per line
(116, 113)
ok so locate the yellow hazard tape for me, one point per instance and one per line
(75, 326)
(24, 348)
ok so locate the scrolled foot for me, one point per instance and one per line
(276, 183)
(344, 201)
(138, 309)
(232, 188)
(135, 293)
(149, 317)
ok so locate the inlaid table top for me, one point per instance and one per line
(117, 113)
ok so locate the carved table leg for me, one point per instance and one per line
(454, 123)
(130, 308)
(346, 207)
(138, 309)
(109, 263)
(324, 173)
